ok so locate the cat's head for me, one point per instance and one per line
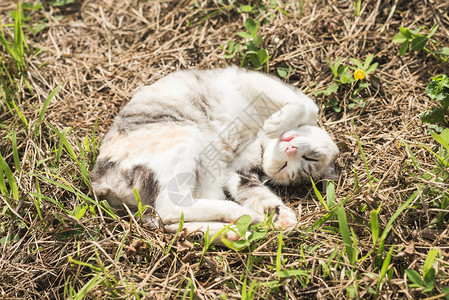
(299, 154)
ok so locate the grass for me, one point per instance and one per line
(380, 231)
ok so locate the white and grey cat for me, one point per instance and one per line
(203, 143)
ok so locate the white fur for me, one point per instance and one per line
(247, 111)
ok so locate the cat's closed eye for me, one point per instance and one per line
(311, 158)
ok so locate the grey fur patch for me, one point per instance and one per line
(201, 103)
(249, 179)
(228, 194)
(144, 179)
(102, 166)
(133, 120)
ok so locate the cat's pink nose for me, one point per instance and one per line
(291, 150)
(288, 139)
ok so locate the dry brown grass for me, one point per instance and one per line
(101, 51)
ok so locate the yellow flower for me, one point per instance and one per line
(359, 74)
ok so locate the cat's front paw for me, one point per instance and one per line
(280, 122)
(284, 218)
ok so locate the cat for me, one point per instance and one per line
(204, 143)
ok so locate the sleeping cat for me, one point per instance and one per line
(203, 143)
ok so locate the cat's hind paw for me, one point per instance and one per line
(233, 236)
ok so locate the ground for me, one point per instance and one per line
(58, 241)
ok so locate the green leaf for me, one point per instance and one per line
(80, 211)
(245, 35)
(282, 72)
(330, 90)
(429, 279)
(20, 114)
(399, 38)
(417, 30)
(405, 32)
(257, 235)
(346, 77)
(434, 116)
(357, 62)
(444, 51)
(445, 101)
(372, 68)
(240, 244)
(251, 26)
(243, 224)
(368, 61)
(262, 56)
(257, 40)
(429, 261)
(445, 290)
(404, 48)
(414, 277)
(334, 67)
(443, 138)
(62, 2)
(419, 42)
(290, 273)
(246, 8)
(433, 30)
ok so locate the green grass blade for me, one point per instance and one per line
(15, 152)
(318, 195)
(279, 254)
(345, 233)
(368, 173)
(46, 103)
(91, 284)
(354, 247)
(20, 114)
(385, 266)
(180, 227)
(374, 218)
(58, 204)
(10, 176)
(62, 137)
(37, 201)
(330, 193)
(69, 188)
(390, 223)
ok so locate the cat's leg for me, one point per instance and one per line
(247, 189)
(206, 210)
(229, 231)
(280, 106)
